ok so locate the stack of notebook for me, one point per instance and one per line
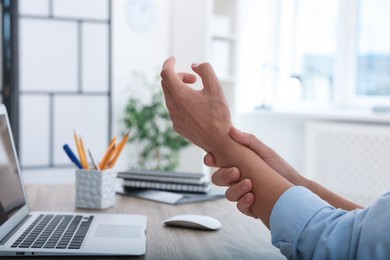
(162, 180)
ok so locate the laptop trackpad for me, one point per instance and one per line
(118, 231)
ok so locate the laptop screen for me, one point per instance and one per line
(11, 192)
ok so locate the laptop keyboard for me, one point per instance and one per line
(55, 231)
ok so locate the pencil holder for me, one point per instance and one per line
(95, 189)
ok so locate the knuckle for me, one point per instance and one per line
(217, 178)
(252, 137)
(228, 195)
(163, 73)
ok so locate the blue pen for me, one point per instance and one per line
(72, 156)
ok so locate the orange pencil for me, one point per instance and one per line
(112, 144)
(84, 160)
(76, 139)
(118, 150)
(103, 164)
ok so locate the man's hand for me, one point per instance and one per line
(241, 191)
(201, 116)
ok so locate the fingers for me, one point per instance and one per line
(173, 82)
(237, 190)
(170, 81)
(168, 73)
(244, 204)
(241, 137)
(225, 176)
(240, 192)
(169, 63)
(187, 78)
(209, 78)
(209, 160)
(251, 142)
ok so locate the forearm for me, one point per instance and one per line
(268, 185)
(329, 196)
(288, 172)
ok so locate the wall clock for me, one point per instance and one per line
(140, 14)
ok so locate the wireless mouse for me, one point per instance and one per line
(193, 221)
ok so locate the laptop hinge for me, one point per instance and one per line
(13, 231)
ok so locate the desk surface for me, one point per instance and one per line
(240, 237)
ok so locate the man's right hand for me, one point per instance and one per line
(240, 191)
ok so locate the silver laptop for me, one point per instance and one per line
(23, 232)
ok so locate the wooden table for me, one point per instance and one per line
(240, 237)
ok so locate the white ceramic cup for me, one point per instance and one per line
(95, 189)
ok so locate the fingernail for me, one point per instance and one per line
(248, 198)
(195, 64)
(207, 160)
(233, 173)
(245, 185)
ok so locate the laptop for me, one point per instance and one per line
(23, 232)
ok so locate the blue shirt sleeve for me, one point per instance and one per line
(303, 226)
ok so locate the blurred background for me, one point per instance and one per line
(309, 78)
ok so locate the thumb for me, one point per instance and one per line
(209, 78)
(209, 160)
(240, 137)
(250, 141)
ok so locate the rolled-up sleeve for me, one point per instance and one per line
(303, 226)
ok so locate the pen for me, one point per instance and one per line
(118, 150)
(103, 161)
(93, 161)
(72, 156)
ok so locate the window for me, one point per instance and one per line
(327, 53)
(373, 70)
(313, 45)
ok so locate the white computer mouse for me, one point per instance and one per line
(193, 221)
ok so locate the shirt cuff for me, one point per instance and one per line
(290, 215)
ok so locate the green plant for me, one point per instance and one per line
(151, 127)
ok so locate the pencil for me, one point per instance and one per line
(118, 150)
(103, 161)
(76, 139)
(103, 164)
(84, 160)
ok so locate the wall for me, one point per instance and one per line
(284, 130)
(64, 83)
(145, 51)
(140, 43)
(136, 48)
(283, 133)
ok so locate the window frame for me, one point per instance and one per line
(346, 61)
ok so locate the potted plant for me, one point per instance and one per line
(151, 128)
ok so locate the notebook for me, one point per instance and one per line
(27, 233)
(165, 176)
(165, 180)
(158, 185)
(173, 198)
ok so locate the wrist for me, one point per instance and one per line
(304, 182)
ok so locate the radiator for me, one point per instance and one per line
(350, 159)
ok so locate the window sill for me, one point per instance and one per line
(347, 115)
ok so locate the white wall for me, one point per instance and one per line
(283, 133)
(136, 48)
(145, 51)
